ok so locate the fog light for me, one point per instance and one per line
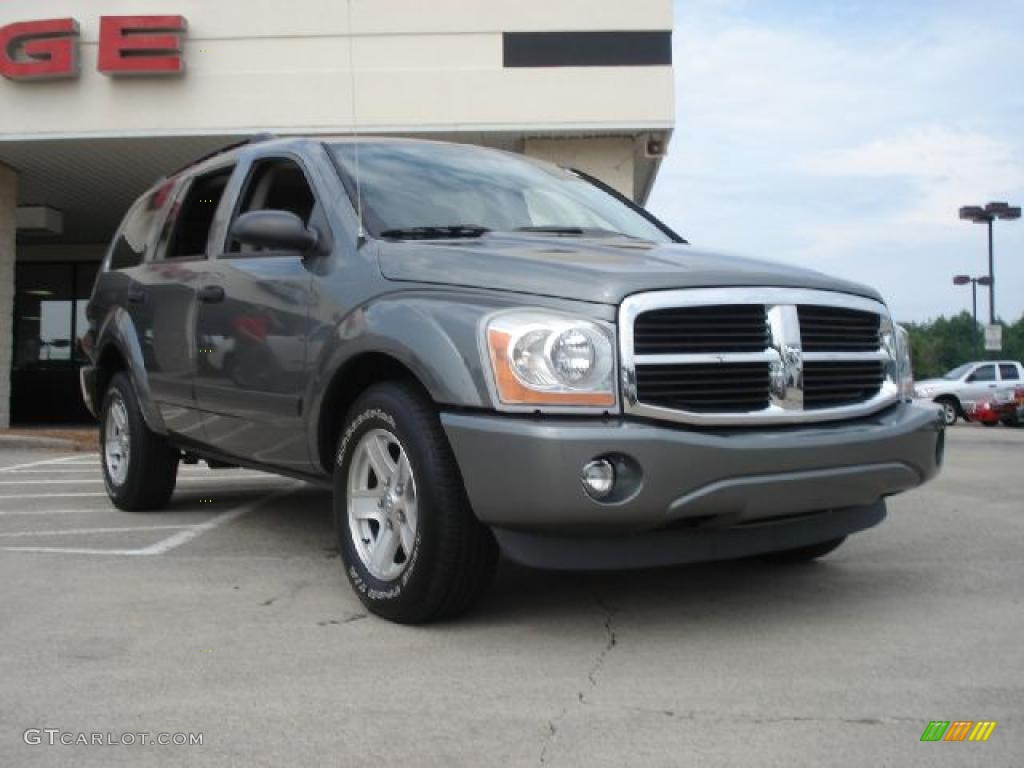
(598, 478)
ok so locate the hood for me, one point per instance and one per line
(602, 270)
(934, 383)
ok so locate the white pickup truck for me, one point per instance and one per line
(957, 390)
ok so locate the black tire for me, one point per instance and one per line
(990, 423)
(453, 555)
(152, 463)
(951, 410)
(1011, 421)
(803, 554)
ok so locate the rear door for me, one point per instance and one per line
(166, 295)
(252, 329)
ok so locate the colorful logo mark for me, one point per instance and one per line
(958, 730)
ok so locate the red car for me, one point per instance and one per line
(1000, 407)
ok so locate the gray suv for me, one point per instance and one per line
(479, 352)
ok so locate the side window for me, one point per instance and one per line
(129, 248)
(276, 185)
(1009, 372)
(194, 214)
(983, 373)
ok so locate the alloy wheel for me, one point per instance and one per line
(117, 441)
(382, 504)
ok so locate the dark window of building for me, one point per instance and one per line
(49, 316)
(1009, 372)
(194, 217)
(276, 185)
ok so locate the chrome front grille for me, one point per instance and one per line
(719, 356)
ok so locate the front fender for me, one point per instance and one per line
(432, 333)
(118, 331)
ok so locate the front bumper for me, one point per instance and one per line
(523, 474)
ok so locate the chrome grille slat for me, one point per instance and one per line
(701, 329)
(755, 356)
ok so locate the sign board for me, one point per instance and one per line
(993, 338)
(128, 45)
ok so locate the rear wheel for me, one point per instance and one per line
(412, 548)
(803, 554)
(950, 410)
(140, 467)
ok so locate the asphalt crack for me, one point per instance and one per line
(552, 734)
(611, 640)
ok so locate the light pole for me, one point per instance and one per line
(975, 282)
(986, 215)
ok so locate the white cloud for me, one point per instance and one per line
(849, 145)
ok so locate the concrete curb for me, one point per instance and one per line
(28, 442)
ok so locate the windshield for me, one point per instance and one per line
(958, 372)
(454, 190)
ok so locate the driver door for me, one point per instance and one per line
(252, 331)
(980, 383)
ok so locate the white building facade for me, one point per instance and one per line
(100, 99)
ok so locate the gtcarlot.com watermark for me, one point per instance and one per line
(56, 736)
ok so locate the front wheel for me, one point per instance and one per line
(412, 548)
(140, 467)
(950, 411)
(803, 554)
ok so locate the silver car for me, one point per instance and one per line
(958, 390)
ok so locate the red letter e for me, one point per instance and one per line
(141, 45)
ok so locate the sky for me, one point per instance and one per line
(844, 137)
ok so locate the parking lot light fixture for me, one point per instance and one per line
(987, 215)
(974, 282)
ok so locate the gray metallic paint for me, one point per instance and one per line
(421, 303)
(733, 475)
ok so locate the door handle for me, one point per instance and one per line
(136, 295)
(211, 294)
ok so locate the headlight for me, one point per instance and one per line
(547, 358)
(904, 370)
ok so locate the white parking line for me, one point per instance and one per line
(164, 545)
(86, 481)
(50, 495)
(79, 511)
(80, 531)
(62, 460)
(182, 471)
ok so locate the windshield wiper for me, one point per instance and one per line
(435, 233)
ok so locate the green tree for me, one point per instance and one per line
(942, 344)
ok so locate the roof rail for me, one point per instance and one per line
(256, 138)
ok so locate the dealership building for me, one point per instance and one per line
(98, 100)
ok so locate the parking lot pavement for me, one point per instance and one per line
(228, 615)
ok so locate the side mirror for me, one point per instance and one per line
(275, 230)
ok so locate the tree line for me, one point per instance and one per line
(940, 345)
